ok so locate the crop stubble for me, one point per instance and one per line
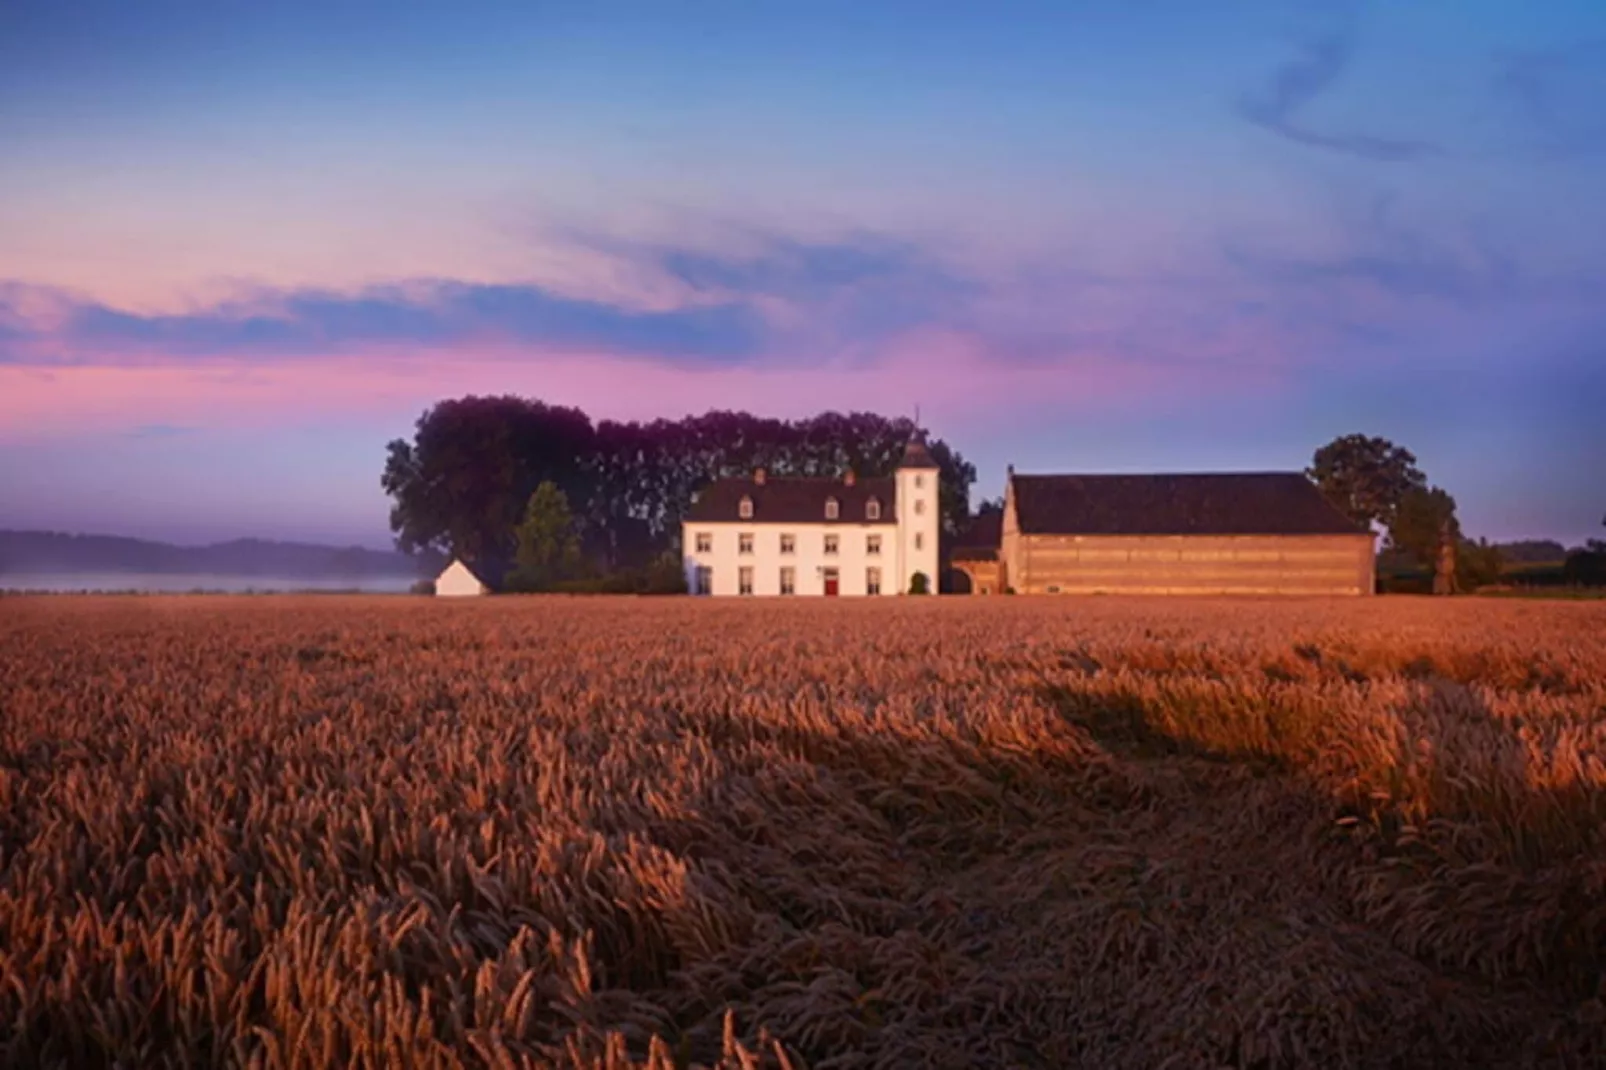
(299, 832)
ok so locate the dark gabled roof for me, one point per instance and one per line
(979, 541)
(793, 501)
(1228, 503)
(916, 455)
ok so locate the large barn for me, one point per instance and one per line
(1219, 533)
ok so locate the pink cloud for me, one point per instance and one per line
(953, 376)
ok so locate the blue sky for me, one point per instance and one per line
(242, 246)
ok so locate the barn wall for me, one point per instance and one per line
(983, 576)
(1160, 564)
(1009, 547)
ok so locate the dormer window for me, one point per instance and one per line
(745, 509)
(832, 509)
(872, 509)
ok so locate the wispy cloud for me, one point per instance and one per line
(1556, 97)
(820, 295)
(1383, 269)
(747, 313)
(437, 313)
(1279, 105)
(768, 294)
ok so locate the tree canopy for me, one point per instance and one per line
(1421, 521)
(1426, 528)
(460, 487)
(1366, 477)
(1374, 481)
(548, 544)
(1587, 567)
(462, 484)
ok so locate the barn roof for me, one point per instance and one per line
(979, 541)
(793, 501)
(1224, 503)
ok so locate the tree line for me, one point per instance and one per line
(1374, 481)
(613, 493)
(548, 494)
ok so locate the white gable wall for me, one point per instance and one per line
(456, 581)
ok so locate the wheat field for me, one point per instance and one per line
(329, 831)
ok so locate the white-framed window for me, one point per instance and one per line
(745, 509)
(872, 509)
(705, 580)
(788, 544)
(789, 580)
(872, 545)
(920, 540)
(744, 580)
(830, 545)
(832, 509)
(705, 542)
(920, 506)
(872, 581)
(744, 543)
(920, 480)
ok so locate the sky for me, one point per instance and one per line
(242, 246)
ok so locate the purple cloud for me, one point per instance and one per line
(1276, 107)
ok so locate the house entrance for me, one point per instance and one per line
(832, 583)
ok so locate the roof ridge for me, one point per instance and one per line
(1159, 475)
(768, 479)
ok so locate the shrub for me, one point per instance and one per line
(919, 584)
(1586, 568)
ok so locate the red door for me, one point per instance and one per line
(830, 583)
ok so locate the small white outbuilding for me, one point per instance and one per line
(457, 580)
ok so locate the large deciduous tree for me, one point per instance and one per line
(461, 485)
(1426, 528)
(1366, 477)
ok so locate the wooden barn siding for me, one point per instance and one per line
(1310, 564)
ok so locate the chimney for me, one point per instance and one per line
(849, 478)
(758, 476)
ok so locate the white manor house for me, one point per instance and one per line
(824, 537)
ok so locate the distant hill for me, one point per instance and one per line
(24, 553)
